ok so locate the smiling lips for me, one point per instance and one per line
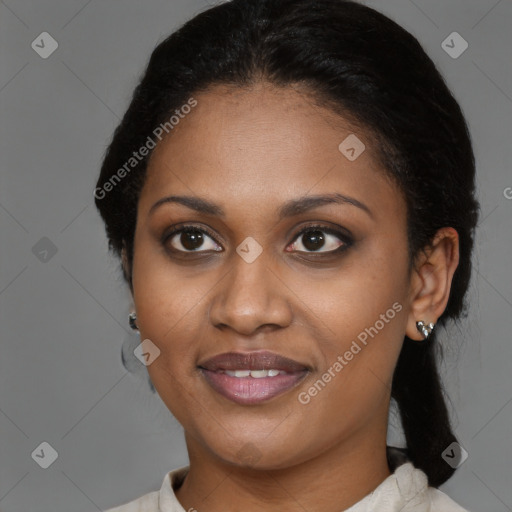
(251, 378)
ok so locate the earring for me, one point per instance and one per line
(424, 329)
(131, 319)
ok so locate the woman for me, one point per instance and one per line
(292, 195)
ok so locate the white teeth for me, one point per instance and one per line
(238, 373)
(256, 374)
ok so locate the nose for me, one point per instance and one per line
(251, 298)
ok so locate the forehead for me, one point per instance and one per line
(262, 144)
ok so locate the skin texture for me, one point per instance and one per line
(250, 150)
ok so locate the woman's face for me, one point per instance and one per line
(334, 299)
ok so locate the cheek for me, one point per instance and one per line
(364, 287)
(352, 387)
(362, 310)
(167, 308)
(164, 294)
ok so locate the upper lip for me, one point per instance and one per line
(262, 360)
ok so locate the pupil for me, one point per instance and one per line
(195, 237)
(316, 237)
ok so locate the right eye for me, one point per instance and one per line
(191, 238)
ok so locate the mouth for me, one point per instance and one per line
(254, 377)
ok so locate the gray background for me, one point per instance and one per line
(64, 316)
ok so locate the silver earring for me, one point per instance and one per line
(132, 317)
(424, 329)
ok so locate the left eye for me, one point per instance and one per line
(313, 238)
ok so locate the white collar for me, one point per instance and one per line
(405, 490)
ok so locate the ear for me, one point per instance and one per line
(431, 280)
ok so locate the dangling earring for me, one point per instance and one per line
(424, 329)
(132, 317)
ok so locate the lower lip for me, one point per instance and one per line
(248, 390)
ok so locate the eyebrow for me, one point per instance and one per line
(288, 209)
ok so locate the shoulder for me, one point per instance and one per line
(440, 502)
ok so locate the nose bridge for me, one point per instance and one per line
(249, 297)
(248, 285)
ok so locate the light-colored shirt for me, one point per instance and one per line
(406, 490)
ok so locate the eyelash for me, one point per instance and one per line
(346, 239)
